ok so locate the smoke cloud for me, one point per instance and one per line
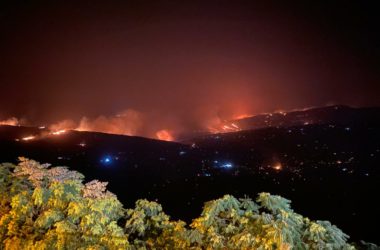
(128, 122)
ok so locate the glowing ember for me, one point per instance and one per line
(242, 116)
(224, 128)
(235, 126)
(59, 132)
(213, 130)
(28, 138)
(164, 135)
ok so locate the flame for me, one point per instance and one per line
(28, 138)
(242, 116)
(13, 121)
(164, 135)
(224, 128)
(59, 132)
(213, 130)
(42, 135)
(235, 126)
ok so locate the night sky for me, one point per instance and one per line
(178, 64)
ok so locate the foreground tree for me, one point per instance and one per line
(50, 208)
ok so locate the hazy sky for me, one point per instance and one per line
(183, 62)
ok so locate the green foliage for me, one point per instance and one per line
(50, 208)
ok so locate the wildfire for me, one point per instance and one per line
(235, 126)
(213, 130)
(11, 122)
(164, 135)
(59, 132)
(242, 116)
(28, 138)
(224, 128)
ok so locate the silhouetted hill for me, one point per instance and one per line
(338, 115)
(335, 115)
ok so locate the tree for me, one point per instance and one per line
(44, 207)
(50, 208)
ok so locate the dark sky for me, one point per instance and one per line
(184, 61)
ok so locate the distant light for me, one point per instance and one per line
(227, 165)
(182, 152)
(277, 167)
(107, 160)
(82, 144)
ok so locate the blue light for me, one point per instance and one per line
(223, 164)
(107, 160)
(227, 165)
